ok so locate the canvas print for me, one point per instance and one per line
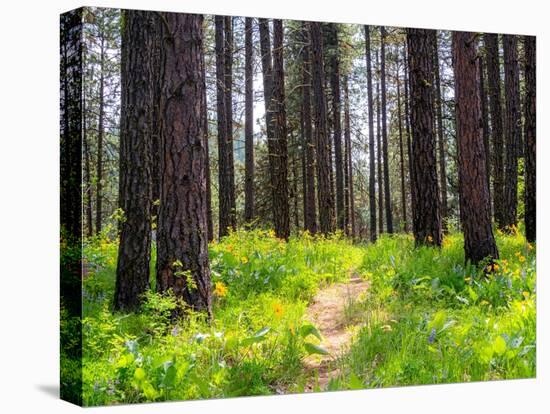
(254, 206)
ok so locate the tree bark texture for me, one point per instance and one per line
(530, 109)
(387, 194)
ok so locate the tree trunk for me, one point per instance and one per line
(440, 135)
(156, 39)
(278, 153)
(408, 127)
(204, 106)
(310, 209)
(336, 123)
(425, 207)
(512, 131)
(372, 165)
(379, 156)
(485, 125)
(326, 203)
(225, 182)
(87, 170)
(348, 167)
(228, 52)
(401, 152)
(530, 109)
(479, 242)
(387, 194)
(249, 124)
(495, 109)
(182, 245)
(135, 188)
(100, 136)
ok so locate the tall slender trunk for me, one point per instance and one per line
(379, 156)
(387, 194)
(372, 165)
(249, 124)
(325, 199)
(350, 207)
(408, 126)
(479, 242)
(426, 206)
(204, 106)
(310, 208)
(530, 110)
(87, 170)
(100, 138)
(440, 135)
(512, 130)
(401, 151)
(182, 245)
(495, 109)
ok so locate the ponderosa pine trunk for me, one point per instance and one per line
(372, 164)
(225, 182)
(135, 182)
(310, 208)
(408, 126)
(401, 150)
(512, 131)
(387, 194)
(325, 199)
(485, 124)
(426, 206)
(479, 242)
(348, 168)
(336, 123)
(440, 134)
(278, 153)
(379, 156)
(182, 245)
(228, 52)
(530, 138)
(156, 36)
(495, 110)
(204, 106)
(249, 124)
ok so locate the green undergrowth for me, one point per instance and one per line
(428, 318)
(257, 339)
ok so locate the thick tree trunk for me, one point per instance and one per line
(379, 156)
(135, 188)
(278, 154)
(336, 123)
(372, 164)
(325, 199)
(249, 124)
(310, 208)
(387, 194)
(440, 134)
(530, 108)
(156, 36)
(401, 152)
(182, 245)
(512, 130)
(425, 208)
(225, 182)
(479, 242)
(485, 125)
(495, 109)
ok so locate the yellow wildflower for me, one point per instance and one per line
(529, 246)
(278, 309)
(229, 248)
(521, 258)
(220, 289)
(244, 260)
(525, 294)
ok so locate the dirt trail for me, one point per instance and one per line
(327, 313)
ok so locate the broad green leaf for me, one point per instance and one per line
(169, 379)
(309, 329)
(315, 349)
(259, 336)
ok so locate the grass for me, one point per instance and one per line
(426, 318)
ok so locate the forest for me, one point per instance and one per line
(273, 206)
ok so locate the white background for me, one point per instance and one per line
(29, 205)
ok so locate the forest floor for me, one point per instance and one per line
(329, 312)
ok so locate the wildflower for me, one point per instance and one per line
(244, 260)
(220, 289)
(430, 239)
(271, 233)
(229, 248)
(278, 309)
(521, 258)
(529, 246)
(431, 338)
(525, 294)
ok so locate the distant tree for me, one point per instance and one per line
(479, 242)
(485, 122)
(349, 196)
(407, 124)
(182, 245)
(310, 208)
(249, 124)
(512, 130)
(379, 154)
(495, 111)
(387, 194)
(425, 207)
(325, 199)
(372, 164)
(530, 111)
(135, 183)
(401, 150)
